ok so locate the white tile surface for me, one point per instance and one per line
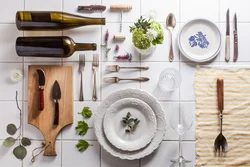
(43, 5)
(155, 5)
(162, 156)
(72, 158)
(108, 160)
(191, 9)
(187, 154)
(8, 10)
(7, 87)
(241, 9)
(7, 41)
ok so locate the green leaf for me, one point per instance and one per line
(130, 120)
(86, 112)
(10, 141)
(82, 128)
(128, 115)
(82, 145)
(11, 129)
(20, 152)
(26, 141)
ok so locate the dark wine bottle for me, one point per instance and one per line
(60, 47)
(42, 20)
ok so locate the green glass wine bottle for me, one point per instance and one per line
(59, 47)
(42, 20)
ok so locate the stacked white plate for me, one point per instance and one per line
(110, 130)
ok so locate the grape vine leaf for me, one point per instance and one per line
(82, 128)
(82, 145)
(86, 112)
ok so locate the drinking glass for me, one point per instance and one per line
(169, 79)
(181, 121)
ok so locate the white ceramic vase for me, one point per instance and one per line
(146, 52)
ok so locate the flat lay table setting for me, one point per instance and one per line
(136, 83)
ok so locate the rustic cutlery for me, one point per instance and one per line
(170, 24)
(227, 51)
(235, 38)
(95, 65)
(116, 79)
(56, 95)
(116, 68)
(81, 70)
(41, 83)
(220, 143)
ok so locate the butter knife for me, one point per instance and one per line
(235, 39)
(227, 51)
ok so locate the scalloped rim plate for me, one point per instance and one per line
(148, 99)
(114, 129)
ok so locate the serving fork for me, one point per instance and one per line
(95, 66)
(220, 143)
(81, 69)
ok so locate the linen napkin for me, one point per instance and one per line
(236, 116)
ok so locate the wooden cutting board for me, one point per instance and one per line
(43, 120)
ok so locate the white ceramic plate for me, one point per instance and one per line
(199, 40)
(154, 105)
(114, 128)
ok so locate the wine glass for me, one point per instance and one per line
(181, 121)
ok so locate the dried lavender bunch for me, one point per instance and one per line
(127, 56)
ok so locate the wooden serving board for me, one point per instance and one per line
(43, 120)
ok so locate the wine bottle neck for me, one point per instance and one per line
(85, 46)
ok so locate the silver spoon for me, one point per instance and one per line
(170, 24)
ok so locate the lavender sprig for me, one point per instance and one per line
(105, 46)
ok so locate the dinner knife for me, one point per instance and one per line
(41, 83)
(235, 38)
(56, 95)
(227, 51)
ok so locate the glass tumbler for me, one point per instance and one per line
(169, 80)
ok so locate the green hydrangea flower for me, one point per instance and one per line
(158, 28)
(140, 39)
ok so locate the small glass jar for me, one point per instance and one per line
(169, 80)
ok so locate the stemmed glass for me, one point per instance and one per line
(181, 121)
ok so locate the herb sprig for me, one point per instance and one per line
(130, 123)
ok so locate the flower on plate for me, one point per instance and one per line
(16, 76)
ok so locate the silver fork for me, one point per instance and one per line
(81, 69)
(95, 65)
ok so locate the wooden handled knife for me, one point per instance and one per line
(41, 83)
